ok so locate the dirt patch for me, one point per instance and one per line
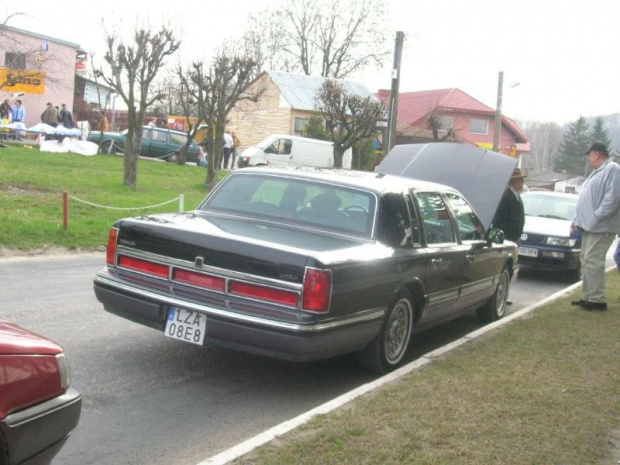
(19, 190)
(49, 251)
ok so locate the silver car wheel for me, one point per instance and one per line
(502, 294)
(398, 331)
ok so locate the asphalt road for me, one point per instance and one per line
(152, 400)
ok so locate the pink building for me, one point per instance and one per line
(463, 119)
(41, 67)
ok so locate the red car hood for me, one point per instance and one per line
(17, 340)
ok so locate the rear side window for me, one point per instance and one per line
(435, 218)
(394, 221)
(470, 227)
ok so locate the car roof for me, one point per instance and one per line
(360, 179)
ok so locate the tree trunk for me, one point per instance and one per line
(338, 155)
(131, 167)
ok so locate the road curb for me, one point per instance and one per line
(287, 426)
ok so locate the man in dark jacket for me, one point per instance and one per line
(510, 216)
(65, 117)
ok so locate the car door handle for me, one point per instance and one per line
(470, 257)
(437, 261)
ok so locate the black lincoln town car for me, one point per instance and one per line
(304, 264)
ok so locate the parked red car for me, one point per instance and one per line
(38, 409)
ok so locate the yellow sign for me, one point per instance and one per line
(485, 145)
(22, 80)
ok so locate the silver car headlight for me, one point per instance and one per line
(561, 241)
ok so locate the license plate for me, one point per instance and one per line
(528, 252)
(186, 325)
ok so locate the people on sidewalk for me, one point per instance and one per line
(598, 218)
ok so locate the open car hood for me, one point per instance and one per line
(480, 175)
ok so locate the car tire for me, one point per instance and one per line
(107, 146)
(495, 308)
(386, 351)
(172, 158)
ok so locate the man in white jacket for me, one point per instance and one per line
(598, 219)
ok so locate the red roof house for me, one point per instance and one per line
(462, 117)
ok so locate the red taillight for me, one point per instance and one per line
(143, 266)
(111, 254)
(265, 293)
(317, 290)
(199, 279)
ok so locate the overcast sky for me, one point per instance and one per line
(563, 55)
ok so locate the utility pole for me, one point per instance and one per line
(393, 109)
(498, 113)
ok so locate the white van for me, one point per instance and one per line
(285, 150)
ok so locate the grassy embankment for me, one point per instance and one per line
(31, 186)
(543, 390)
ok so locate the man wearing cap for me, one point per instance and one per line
(598, 218)
(509, 216)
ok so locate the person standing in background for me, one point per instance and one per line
(235, 148)
(104, 125)
(226, 149)
(598, 218)
(49, 115)
(19, 112)
(65, 117)
(510, 216)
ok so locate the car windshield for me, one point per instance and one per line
(296, 201)
(549, 206)
(266, 143)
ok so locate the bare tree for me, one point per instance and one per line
(350, 118)
(217, 88)
(327, 37)
(185, 98)
(545, 140)
(434, 122)
(133, 68)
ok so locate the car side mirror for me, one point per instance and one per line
(495, 236)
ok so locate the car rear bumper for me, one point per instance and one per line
(553, 258)
(36, 434)
(259, 335)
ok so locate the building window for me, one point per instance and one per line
(14, 60)
(570, 189)
(446, 123)
(300, 126)
(479, 126)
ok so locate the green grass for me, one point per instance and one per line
(32, 182)
(542, 390)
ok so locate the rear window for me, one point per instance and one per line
(296, 201)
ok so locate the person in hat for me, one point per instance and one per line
(510, 216)
(598, 218)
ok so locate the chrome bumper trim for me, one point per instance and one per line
(360, 317)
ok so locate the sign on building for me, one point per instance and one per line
(22, 80)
